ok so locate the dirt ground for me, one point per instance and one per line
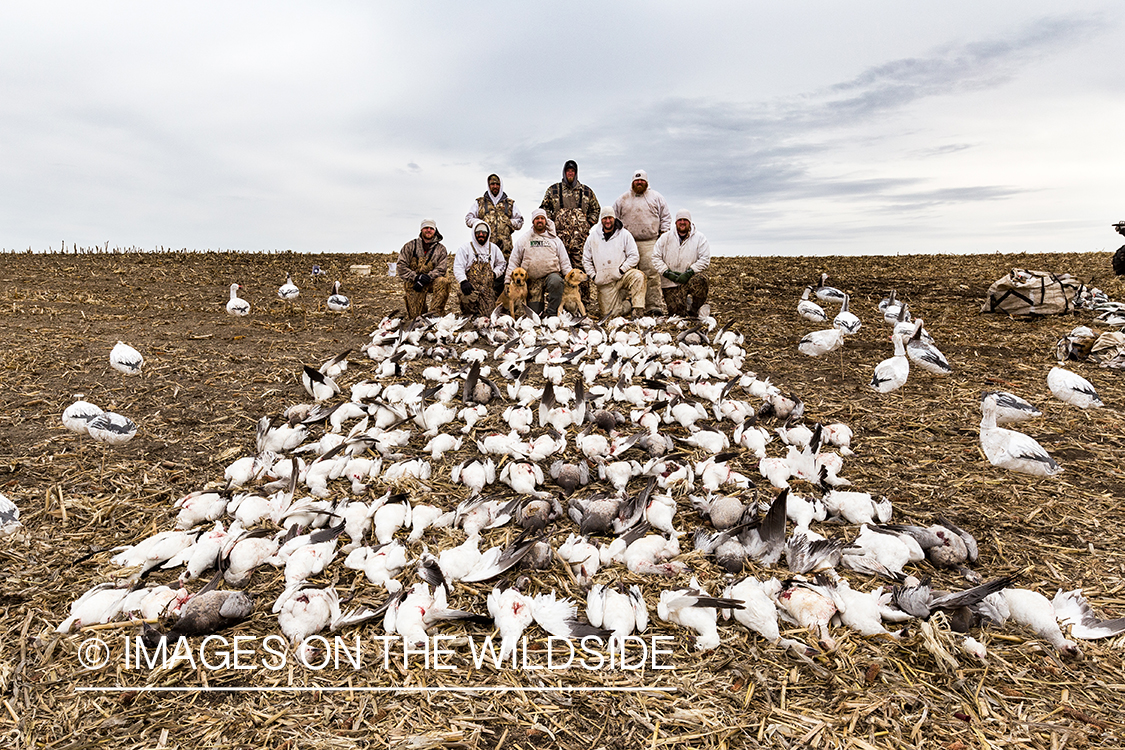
(209, 377)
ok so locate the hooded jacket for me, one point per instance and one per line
(672, 254)
(500, 207)
(606, 261)
(573, 197)
(473, 251)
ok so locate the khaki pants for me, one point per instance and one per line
(621, 297)
(653, 298)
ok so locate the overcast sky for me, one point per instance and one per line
(785, 128)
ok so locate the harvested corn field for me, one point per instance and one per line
(208, 378)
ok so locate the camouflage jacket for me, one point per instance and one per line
(413, 259)
(500, 217)
(574, 208)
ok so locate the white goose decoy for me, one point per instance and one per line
(895, 312)
(237, 305)
(1073, 389)
(809, 310)
(9, 517)
(336, 301)
(891, 373)
(1009, 449)
(77, 416)
(846, 320)
(111, 429)
(826, 293)
(926, 356)
(126, 359)
(1011, 408)
(288, 291)
(821, 342)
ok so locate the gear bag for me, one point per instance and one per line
(1032, 293)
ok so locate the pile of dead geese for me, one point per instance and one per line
(584, 446)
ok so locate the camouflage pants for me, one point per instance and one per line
(437, 290)
(483, 299)
(676, 297)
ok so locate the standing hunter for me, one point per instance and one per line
(500, 213)
(422, 266)
(573, 208)
(644, 212)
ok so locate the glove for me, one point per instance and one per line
(672, 276)
(498, 285)
(419, 286)
(466, 288)
(424, 278)
(685, 277)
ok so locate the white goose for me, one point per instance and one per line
(1009, 449)
(891, 373)
(809, 310)
(237, 305)
(826, 293)
(77, 416)
(1073, 389)
(288, 291)
(821, 342)
(111, 429)
(846, 320)
(1011, 408)
(126, 359)
(926, 356)
(336, 301)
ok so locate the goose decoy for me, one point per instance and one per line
(827, 293)
(809, 310)
(1009, 449)
(926, 356)
(336, 301)
(1073, 389)
(9, 517)
(109, 428)
(821, 342)
(125, 359)
(237, 305)
(846, 321)
(892, 373)
(1011, 408)
(288, 291)
(77, 416)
